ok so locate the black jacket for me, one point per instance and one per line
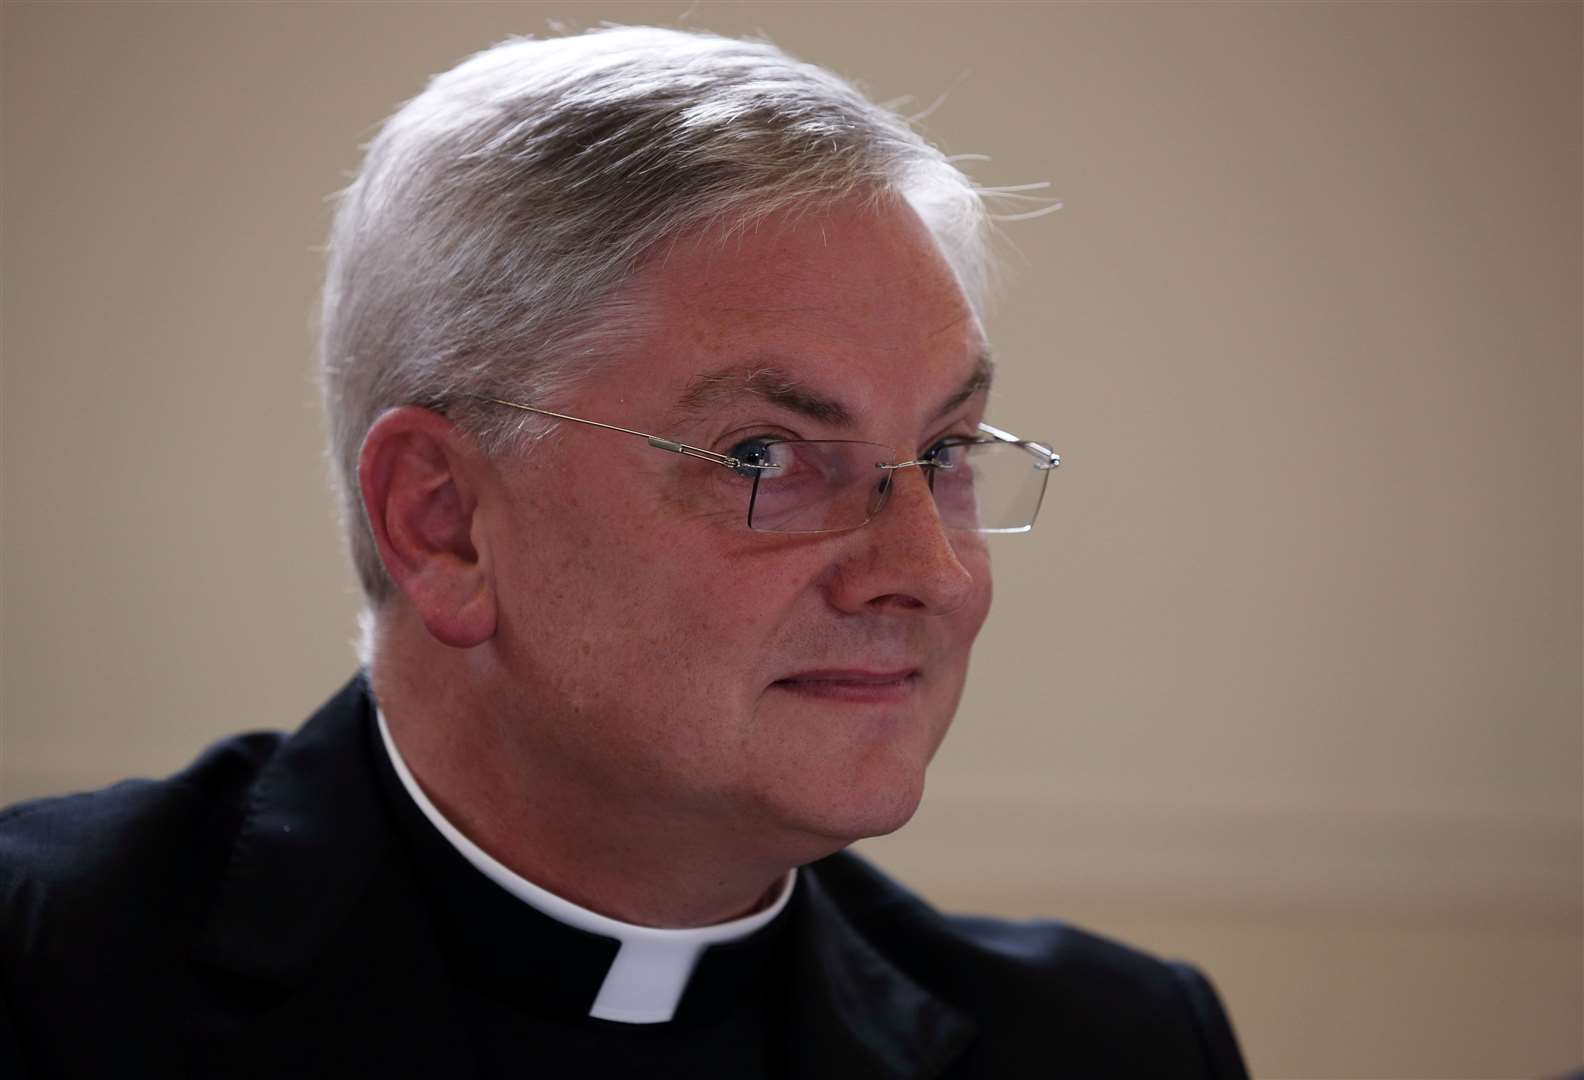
(254, 916)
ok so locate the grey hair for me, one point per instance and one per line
(483, 247)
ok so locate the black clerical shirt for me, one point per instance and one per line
(522, 983)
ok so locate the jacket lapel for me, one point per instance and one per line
(318, 931)
(851, 1012)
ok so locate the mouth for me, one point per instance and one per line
(852, 685)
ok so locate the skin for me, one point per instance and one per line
(601, 675)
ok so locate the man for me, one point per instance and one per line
(656, 388)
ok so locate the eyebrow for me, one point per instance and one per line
(779, 387)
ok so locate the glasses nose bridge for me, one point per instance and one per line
(889, 479)
(920, 462)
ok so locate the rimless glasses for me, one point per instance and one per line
(992, 483)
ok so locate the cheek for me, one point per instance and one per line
(727, 613)
(668, 615)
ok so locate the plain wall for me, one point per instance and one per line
(1288, 679)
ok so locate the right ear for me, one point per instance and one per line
(417, 473)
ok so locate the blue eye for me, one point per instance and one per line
(752, 452)
(948, 453)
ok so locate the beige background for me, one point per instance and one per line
(1288, 680)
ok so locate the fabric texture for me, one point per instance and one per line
(260, 915)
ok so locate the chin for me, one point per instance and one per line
(834, 776)
(886, 811)
(840, 813)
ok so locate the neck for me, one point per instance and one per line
(638, 864)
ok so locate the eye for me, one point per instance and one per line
(759, 451)
(947, 453)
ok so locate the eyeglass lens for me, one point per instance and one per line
(829, 486)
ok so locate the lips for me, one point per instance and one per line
(852, 684)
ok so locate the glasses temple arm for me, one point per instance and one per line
(654, 440)
(1052, 458)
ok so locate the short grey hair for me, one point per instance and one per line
(483, 247)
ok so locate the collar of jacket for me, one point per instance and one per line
(329, 962)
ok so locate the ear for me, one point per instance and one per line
(418, 476)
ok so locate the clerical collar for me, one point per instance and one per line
(651, 967)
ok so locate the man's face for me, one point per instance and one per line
(653, 650)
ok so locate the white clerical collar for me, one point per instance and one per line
(645, 982)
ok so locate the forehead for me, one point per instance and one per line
(853, 302)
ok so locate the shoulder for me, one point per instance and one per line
(162, 830)
(101, 895)
(1093, 995)
(137, 841)
(168, 909)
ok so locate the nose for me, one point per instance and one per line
(904, 558)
